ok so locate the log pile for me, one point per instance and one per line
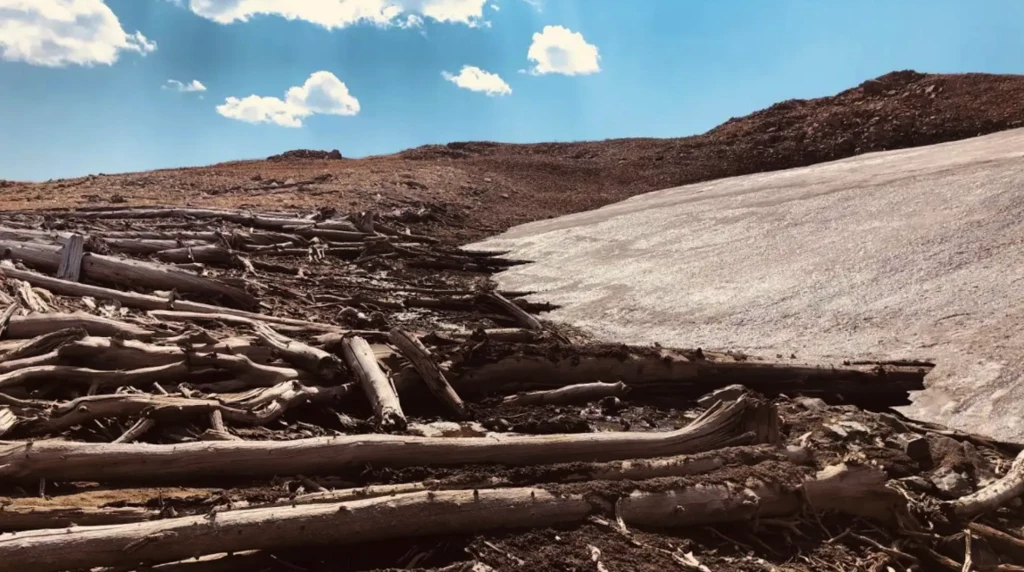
(337, 389)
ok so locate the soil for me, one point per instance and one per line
(465, 191)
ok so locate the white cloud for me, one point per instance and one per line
(180, 87)
(341, 13)
(476, 79)
(323, 93)
(57, 33)
(557, 49)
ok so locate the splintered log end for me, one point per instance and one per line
(762, 419)
(990, 498)
(854, 489)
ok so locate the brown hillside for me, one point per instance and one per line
(480, 188)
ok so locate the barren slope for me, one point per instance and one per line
(481, 188)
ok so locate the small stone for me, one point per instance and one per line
(915, 446)
(728, 393)
(811, 403)
(951, 483)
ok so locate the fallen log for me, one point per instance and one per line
(379, 388)
(180, 316)
(6, 315)
(238, 217)
(520, 315)
(36, 325)
(413, 350)
(661, 372)
(37, 517)
(990, 498)
(132, 273)
(582, 393)
(147, 246)
(99, 462)
(85, 409)
(145, 301)
(176, 539)
(432, 513)
(71, 258)
(44, 344)
(325, 365)
(264, 406)
(8, 366)
(112, 353)
(207, 254)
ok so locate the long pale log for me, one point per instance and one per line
(520, 315)
(248, 374)
(379, 388)
(35, 325)
(51, 358)
(859, 491)
(248, 219)
(990, 498)
(148, 246)
(145, 301)
(327, 366)
(180, 316)
(270, 404)
(44, 343)
(99, 353)
(581, 393)
(42, 517)
(209, 253)
(370, 520)
(126, 272)
(85, 409)
(100, 462)
(411, 347)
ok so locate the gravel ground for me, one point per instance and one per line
(897, 255)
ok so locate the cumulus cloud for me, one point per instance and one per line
(341, 13)
(323, 93)
(476, 79)
(557, 49)
(190, 87)
(57, 33)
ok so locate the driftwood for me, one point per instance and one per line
(35, 325)
(5, 317)
(144, 246)
(378, 386)
(8, 366)
(209, 253)
(71, 258)
(32, 517)
(180, 316)
(411, 347)
(133, 273)
(520, 315)
(85, 409)
(109, 353)
(723, 425)
(430, 513)
(29, 297)
(44, 343)
(581, 393)
(988, 499)
(275, 528)
(314, 360)
(146, 302)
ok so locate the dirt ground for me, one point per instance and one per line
(472, 190)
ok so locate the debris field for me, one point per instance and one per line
(194, 389)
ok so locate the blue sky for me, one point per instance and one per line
(84, 84)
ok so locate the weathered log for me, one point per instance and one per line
(673, 372)
(263, 406)
(176, 539)
(71, 258)
(379, 388)
(520, 315)
(35, 517)
(859, 491)
(413, 350)
(243, 218)
(990, 498)
(136, 431)
(333, 235)
(35, 325)
(430, 513)
(209, 254)
(85, 409)
(114, 353)
(51, 358)
(145, 246)
(180, 316)
(44, 343)
(314, 360)
(100, 462)
(133, 273)
(144, 301)
(582, 393)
